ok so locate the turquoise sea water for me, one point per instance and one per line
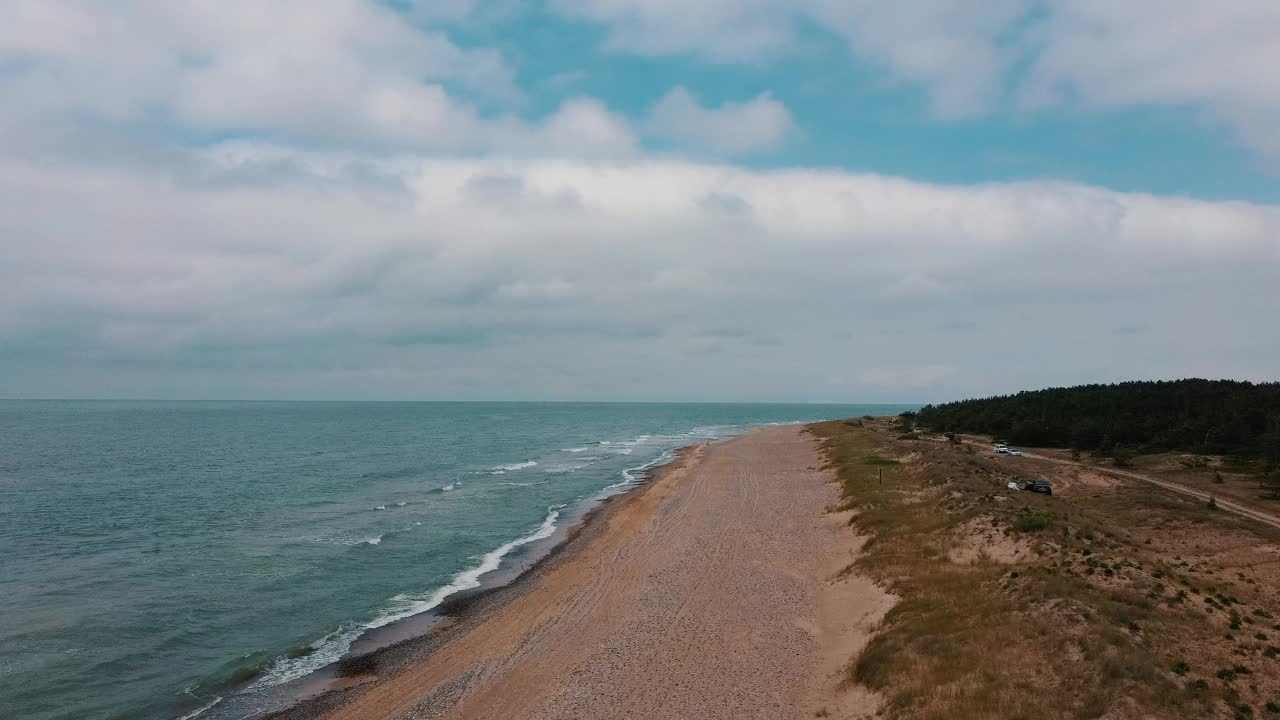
(150, 550)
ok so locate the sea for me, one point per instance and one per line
(166, 560)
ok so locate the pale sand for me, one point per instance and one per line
(714, 592)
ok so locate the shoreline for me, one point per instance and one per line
(389, 650)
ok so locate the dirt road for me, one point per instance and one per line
(1227, 505)
(1222, 504)
(710, 594)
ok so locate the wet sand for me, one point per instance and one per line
(714, 591)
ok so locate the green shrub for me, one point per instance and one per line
(1122, 457)
(1181, 667)
(1226, 674)
(1031, 522)
(877, 460)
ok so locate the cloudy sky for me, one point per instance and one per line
(756, 200)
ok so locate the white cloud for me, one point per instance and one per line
(718, 30)
(1219, 57)
(977, 58)
(585, 123)
(950, 46)
(265, 270)
(340, 72)
(731, 129)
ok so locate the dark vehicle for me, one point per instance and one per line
(1038, 486)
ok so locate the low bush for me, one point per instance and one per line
(877, 460)
(1031, 522)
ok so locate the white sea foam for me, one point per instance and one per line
(402, 503)
(408, 605)
(381, 507)
(327, 651)
(516, 466)
(629, 478)
(574, 450)
(200, 710)
(449, 487)
(375, 540)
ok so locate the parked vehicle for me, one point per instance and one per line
(1038, 486)
(1002, 448)
(1014, 451)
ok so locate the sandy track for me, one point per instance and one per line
(1227, 505)
(707, 595)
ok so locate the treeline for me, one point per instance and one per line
(1222, 417)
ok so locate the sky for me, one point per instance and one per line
(723, 200)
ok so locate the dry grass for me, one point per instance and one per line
(1097, 621)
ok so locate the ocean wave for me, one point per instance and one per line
(574, 450)
(381, 507)
(410, 605)
(375, 540)
(628, 477)
(515, 466)
(333, 646)
(200, 710)
(327, 651)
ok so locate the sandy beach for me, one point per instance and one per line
(714, 591)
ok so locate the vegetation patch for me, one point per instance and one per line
(1082, 625)
(1031, 522)
(877, 460)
